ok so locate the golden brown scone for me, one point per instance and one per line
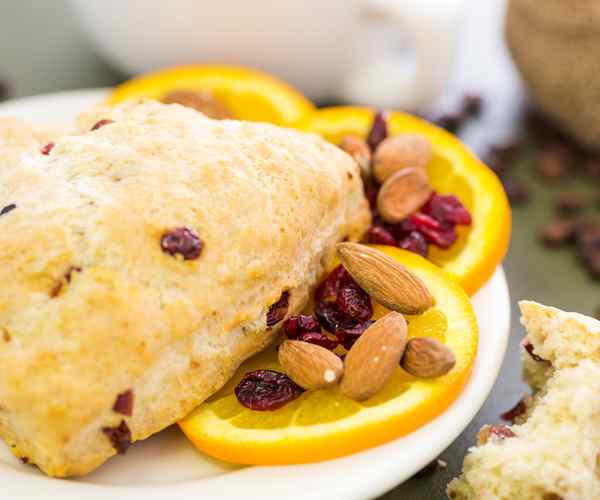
(92, 307)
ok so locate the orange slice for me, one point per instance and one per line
(325, 424)
(249, 94)
(455, 170)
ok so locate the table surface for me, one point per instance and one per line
(42, 49)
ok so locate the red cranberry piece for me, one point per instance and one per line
(328, 289)
(414, 242)
(299, 324)
(423, 221)
(8, 208)
(354, 302)
(347, 334)
(278, 310)
(371, 193)
(120, 437)
(266, 390)
(379, 130)
(447, 209)
(528, 346)
(439, 234)
(501, 431)
(182, 241)
(319, 339)
(47, 148)
(124, 403)
(329, 315)
(101, 124)
(380, 236)
(518, 410)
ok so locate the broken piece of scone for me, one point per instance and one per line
(140, 262)
(554, 452)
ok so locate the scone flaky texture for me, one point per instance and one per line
(555, 453)
(91, 307)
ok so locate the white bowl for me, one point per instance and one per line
(167, 466)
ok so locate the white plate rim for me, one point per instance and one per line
(359, 476)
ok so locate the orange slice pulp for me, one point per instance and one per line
(453, 170)
(324, 424)
(249, 94)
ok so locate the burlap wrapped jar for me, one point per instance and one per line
(556, 46)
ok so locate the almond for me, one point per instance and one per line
(309, 365)
(374, 357)
(384, 279)
(360, 151)
(402, 194)
(427, 357)
(401, 151)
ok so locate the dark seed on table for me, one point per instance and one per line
(120, 437)
(569, 202)
(557, 232)
(278, 310)
(124, 403)
(7, 208)
(518, 410)
(379, 130)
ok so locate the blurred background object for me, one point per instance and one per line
(556, 46)
(377, 52)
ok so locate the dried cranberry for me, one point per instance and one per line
(319, 339)
(120, 437)
(347, 334)
(354, 302)
(329, 315)
(447, 209)
(380, 236)
(124, 403)
(101, 124)
(528, 346)
(423, 221)
(266, 390)
(47, 148)
(8, 208)
(414, 242)
(518, 410)
(182, 241)
(299, 324)
(501, 431)
(441, 235)
(379, 130)
(371, 193)
(278, 310)
(328, 289)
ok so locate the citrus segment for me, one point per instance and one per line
(452, 170)
(324, 424)
(249, 94)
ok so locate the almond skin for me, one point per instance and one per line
(360, 151)
(374, 357)
(427, 357)
(309, 365)
(384, 279)
(401, 151)
(402, 194)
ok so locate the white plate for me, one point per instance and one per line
(166, 466)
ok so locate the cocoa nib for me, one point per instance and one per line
(278, 310)
(518, 410)
(124, 403)
(120, 437)
(181, 241)
(7, 208)
(102, 123)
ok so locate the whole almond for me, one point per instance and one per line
(401, 151)
(374, 357)
(427, 357)
(402, 194)
(309, 365)
(360, 151)
(384, 279)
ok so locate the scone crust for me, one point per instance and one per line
(91, 306)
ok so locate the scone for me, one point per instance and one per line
(148, 255)
(554, 453)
